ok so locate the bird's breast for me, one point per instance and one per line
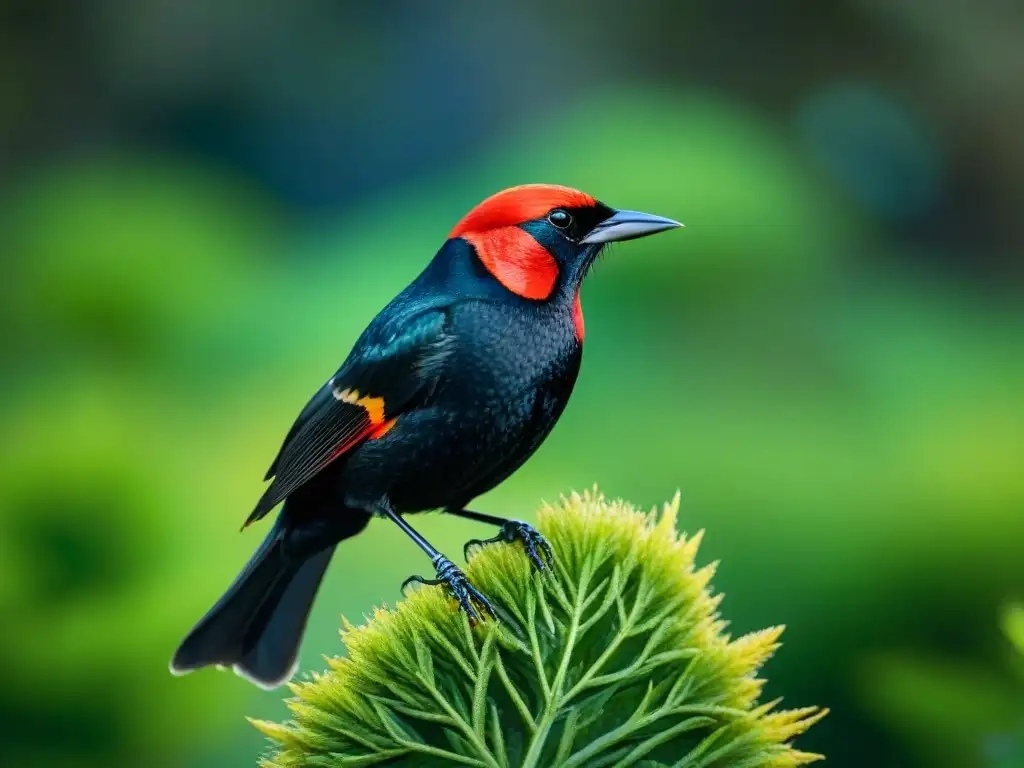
(506, 382)
(503, 349)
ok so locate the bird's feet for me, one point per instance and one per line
(517, 530)
(454, 580)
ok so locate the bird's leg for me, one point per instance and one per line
(447, 573)
(510, 530)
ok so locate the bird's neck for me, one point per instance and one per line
(456, 270)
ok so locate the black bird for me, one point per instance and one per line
(446, 393)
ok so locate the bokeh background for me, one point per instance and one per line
(202, 204)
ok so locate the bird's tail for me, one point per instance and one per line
(257, 625)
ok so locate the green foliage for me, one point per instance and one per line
(1013, 625)
(617, 657)
(1009, 750)
(954, 711)
(141, 247)
(116, 265)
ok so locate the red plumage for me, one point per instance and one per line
(516, 205)
(517, 260)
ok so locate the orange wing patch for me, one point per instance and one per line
(374, 406)
(311, 452)
(383, 429)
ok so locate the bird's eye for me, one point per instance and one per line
(560, 218)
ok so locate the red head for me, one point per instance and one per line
(530, 236)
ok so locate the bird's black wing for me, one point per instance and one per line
(394, 366)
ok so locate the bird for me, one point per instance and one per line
(445, 394)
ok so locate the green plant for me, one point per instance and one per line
(1008, 749)
(950, 710)
(1013, 625)
(616, 657)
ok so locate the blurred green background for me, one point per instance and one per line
(202, 204)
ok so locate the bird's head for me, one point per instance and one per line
(536, 239)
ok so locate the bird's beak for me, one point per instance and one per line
(628, 225)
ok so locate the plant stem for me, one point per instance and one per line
(553, 703)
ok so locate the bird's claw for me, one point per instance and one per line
(454, 580)
(517, 530)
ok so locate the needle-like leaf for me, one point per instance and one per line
(616, 656)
